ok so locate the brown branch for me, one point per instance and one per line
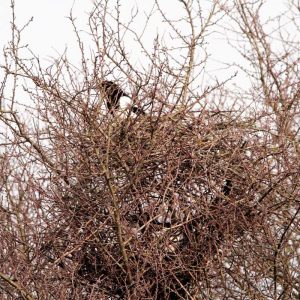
(17, 286)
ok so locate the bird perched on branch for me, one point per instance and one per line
(112, 92)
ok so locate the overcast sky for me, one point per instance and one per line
(51, 32)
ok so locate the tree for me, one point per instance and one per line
(195, 199)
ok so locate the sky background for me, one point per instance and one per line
(51, 32)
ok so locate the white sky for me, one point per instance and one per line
(51, 32)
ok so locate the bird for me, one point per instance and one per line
(112, 92)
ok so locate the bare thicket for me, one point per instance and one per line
(198, 198)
